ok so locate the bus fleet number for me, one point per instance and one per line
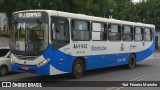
(80, 46)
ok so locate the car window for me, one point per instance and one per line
(3, 52)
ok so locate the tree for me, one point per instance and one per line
(147, 11)
(105, 7)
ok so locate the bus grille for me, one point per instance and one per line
(22, 57)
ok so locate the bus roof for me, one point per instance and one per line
(92, 18)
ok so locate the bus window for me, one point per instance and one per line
(147, 34)
(80, 30)
(138, 34)
(114, 32)
(99, 31)
(127, 33)
(61, 30)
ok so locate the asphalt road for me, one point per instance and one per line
(148, 70)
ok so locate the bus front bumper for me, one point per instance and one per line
(43, 70)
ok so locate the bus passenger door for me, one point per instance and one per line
(59, 32)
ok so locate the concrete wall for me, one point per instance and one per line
(158, 34)
(3, 21)
(4, 41)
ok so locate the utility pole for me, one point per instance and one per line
(0, 23)
(111, 13)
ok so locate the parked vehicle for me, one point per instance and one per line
(4, 61)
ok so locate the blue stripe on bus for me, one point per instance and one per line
(97, 61)
(92, 62)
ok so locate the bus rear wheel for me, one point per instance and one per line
(78, 69)
(131, 61)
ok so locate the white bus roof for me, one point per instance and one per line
(92, 18)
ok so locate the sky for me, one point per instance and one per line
(135, 0)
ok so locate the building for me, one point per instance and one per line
(4, 42)
(3, 21)
(4, 27)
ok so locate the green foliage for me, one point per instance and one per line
(146, 12)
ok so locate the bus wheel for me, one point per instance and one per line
(3, 70)
(132, 61)
(78, 69)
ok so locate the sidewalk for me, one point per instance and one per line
(157, 54)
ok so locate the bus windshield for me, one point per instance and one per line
(29, 35)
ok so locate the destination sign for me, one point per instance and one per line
(30, 15)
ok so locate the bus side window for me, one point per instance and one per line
(99, 31)
(147, 34)
(80, 30)
(60, 29)
(114, 32)
(127, 33)
(138, 34)
(60, 32)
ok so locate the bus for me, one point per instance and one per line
(49, 42)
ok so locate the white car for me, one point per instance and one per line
(5, 65)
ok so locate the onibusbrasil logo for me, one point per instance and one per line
(20, 84)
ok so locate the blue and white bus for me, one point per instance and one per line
(52, 42)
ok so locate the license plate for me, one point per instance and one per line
(25, 68)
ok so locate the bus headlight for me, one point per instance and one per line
(43, 62)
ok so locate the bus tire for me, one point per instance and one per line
(3, 70)
(131, 61)
(78, 69)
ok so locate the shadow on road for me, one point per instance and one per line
(12, 73)
(67, 77)
(112, 70)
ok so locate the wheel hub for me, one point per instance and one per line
(78, 68)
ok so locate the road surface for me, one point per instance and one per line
(148, 70)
